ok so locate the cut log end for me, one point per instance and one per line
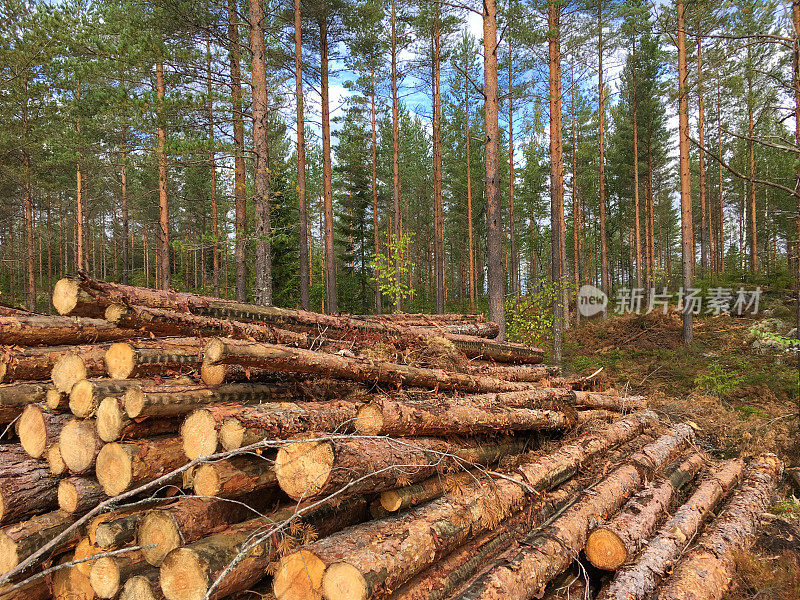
(391, 500)
(55, 400)
(105, 577)
(54, 460)
(231, 434)
(157, 528)
(67, 496)
(115, 312)
(32, 431)
(369, 420)
(214, 351)
(342, 581)
(67, 371)
(65, 295)
(183, 576)
(85, 549)
(82, 398)
(8, 553)
(303, 468)
(199, 433)
(110, 419)
(133, 401)
(120, 360)
(78, 445)
(114, 469)
(605, 550)
(212, 375)
(3, 368)
(299, 576)
(138, 588)
(206, 480)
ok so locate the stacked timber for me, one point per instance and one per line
(173, 446)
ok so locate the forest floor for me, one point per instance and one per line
(738, 384)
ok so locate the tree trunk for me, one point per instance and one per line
(81, 362)
(721, 218)
(263, 260)
(26, 485)
(494, 218)
(514, 372)
(41, 330)
(751, 158)
(438, 200)
(240, 193)
(397, 216)
(419, 493)
(19, 541)
(213, 172)
(116, 532)
(609, 401)
(142, 587)
(305, 259)
(637, 220)
(556, 175)
(641, 578)
(331, 302)
(706, 572)
(78, 495)
(601, 110)
(30, 290)
(512, 232)
(123, 465)
(86, 395)
(234, 477)
(687, 235)
(701, 158)
(163, 204)
(470, 242)
(126, 233)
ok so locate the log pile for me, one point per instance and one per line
(163, 445)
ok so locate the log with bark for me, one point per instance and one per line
(86, 395)
(235, 425)
(122, 465)
(297, 360)
(639, 579)
(79, 445)
(515, 372)
(113, 423)
(442, 525)
(19, 541)
(69, 298)
(611, 401)
(29, 364)
(14, 397)
(78, 495)
(142, 587)
(457, 416)
(234, 477)
(706, 572)
(118, 531)
(525, 572)
(26, 485)
(188, 572)
(617, 540)
(427, 490)
(83, 362)
(41, 330)
(149, 357)
(109, 573)
(38, 428)
(363, 465)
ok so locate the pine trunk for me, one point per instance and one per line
(240, 193)
(79, 445)
(78, 495)
(19, 541)
(41, 330)
(556, 175)
(305, 258)
(687, 234)
(234, 477)
(26, 485)
(146, 358)
(83, 362)
(163, 202)
(109, 573)
(14, 397)
(331, 305)
(38, 429)
(124, 465)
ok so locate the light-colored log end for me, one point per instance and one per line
(115, 312)
(67, 371)
(183, 576)
(114, 469)
(231, 434)
(214, 350)
(56, 400)
(303, 468)
(369, 420)
(120, 360)
(133, 400)
(342, 581)
(110, 419)
(206, 480)
(391, 500)
(139, 587)
(157, 527)
(65, 295)
(54, 460)
(84, 549)
(213, 375)
(299, 577)
(82, 399)
(8, 553)
(605, 550)
(105, 577)
(199, 433)
(32, 431)
(67, 496)
(3, 368)
(78, 444)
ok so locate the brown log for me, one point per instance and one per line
(118, 531)
(525, 572)
(297, 360)
(142, 587)
(14, 397)
(610, 401)
(162, 322)
(41, 330)
(19, 541)
(79, 495)
(122, 465)
(706, 572)
(424, 491)
(235, 476)
(35, 590)
(188, 572)
(38, 429)
(457, 417)
(361, 465)
(618, 539)
(146, 358)
(26, 485)
(113, 424)
(86, 395)
(29, 364)
(174, 401)
(79, 445)
(586, 417)
(190, 519)
(109, 573)
(244, 425)
(439, 527)
(83, 362)
(515, 372)
(55, 461)
(640, 579)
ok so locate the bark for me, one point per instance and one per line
(331, 305)
(427, 490)
(78, 495)
(796, 76)
(397, 215)
(556, 175)
(14, 397)
(113, 424)
(234, 477)
(515, 373)
(163, 202)
(109, 573)
(376, 234)
(117, 532)
(295, 360)
(86, 395)
(470, 242)
(145, 359)
(512, 234)
(363, 465)
(524, 573)
(83, 362)
(441, 526)
(38, 429)
(601, 112)
(41, 330)
(29, 364)
(79, 444)
(707, 571)
(446, 417)
(26, 485)
(687, 234)
(751, 158)
(123, 465)
(213, 173)
(188, 572)
(188, 520)
(234, 426)
(616, 541)
(438, 199)
(305, 259)
(610, 401)
(494, 219)
(701, 157)
(19, 541)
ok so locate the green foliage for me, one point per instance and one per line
(529, 318)
(391, 269)
(718, 380)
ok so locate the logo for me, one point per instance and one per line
(591, 301)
